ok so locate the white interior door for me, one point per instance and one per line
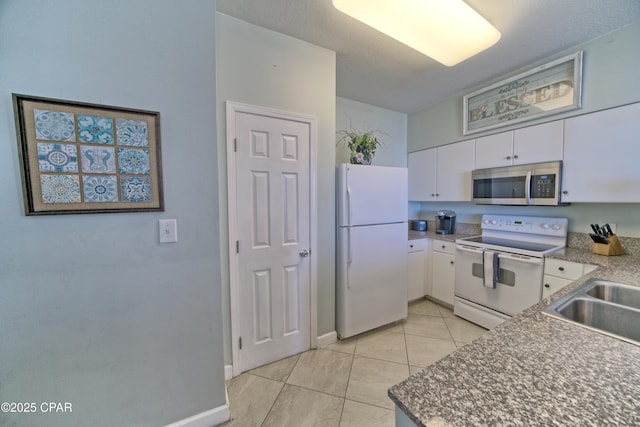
(272, 254)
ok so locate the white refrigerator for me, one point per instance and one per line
(371, 288)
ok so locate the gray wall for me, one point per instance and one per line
(364, 117)
(261, 67)
(93, 310)
(611, 66)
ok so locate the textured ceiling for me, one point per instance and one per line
(375, 69)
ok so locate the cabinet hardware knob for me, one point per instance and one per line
(508, 157)
(515, 156)
(410, 246)
(561, 268)
(451, 262)
(443, 246)
(565, 192)
(546, 285)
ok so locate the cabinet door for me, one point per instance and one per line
(443, 278)
(552, 284)
(494, 150)
(539, 143)
(601, 153)
(455, 163)
(422, 175)
(416, 285)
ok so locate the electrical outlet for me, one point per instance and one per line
(168, 230)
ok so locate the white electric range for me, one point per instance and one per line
(511, 249)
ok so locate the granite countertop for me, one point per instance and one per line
(462, 230)
(534, 370)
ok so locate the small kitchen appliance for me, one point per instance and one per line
(535, 184)
(445, 222)
(419, 225)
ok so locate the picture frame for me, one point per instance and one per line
(79, 158)
(549, 89)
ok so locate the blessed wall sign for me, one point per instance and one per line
(549, 89)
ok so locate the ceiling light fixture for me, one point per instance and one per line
(448, 31)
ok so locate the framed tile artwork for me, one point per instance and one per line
(84, 158)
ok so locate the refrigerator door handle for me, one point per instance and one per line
(348, 256)
(348, 213)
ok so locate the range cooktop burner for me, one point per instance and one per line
(515, 244)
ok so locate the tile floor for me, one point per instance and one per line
(345, 384)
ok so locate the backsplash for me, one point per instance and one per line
(461, 227)
(631, 245)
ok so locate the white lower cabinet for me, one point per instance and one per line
(559, 273)
(443, 257)
(417, 256)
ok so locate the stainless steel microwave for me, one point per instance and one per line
(534, 184)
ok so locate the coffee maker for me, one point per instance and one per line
(445, 222)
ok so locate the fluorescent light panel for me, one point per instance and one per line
(448, 31)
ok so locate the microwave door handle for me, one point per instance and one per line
(528, 187)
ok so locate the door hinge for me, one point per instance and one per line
(237, 246)
(240, 342)
(235, 145)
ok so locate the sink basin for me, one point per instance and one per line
(606, 307)
(623, 295)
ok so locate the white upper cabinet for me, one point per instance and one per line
(533, 144)
(602, 156)
(422, 175)
(455, 163)
(442, 173)
(494, 150)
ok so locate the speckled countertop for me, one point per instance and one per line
(534, 370)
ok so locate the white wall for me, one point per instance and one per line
(261, 67)
(611, 66)
(93, 310)
(364, 117)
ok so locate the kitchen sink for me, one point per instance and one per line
(606, 307)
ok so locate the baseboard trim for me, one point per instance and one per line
(326, 339)
(209, 418)
(228, 372)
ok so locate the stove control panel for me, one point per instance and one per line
(526, 224)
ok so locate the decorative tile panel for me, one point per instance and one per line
(95, 129)
(100, 188)
(60, 188)
(97, 159)
(133, 161)
(132, 132)
(57, 157)
(135, 189)
(54, 125)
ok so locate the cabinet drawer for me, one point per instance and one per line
(444, 246)
(416, 245)
(564, 269)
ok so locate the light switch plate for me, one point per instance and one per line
(168, 230)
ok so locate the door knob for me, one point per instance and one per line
(304, 253)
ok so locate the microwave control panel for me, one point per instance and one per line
(543, 186)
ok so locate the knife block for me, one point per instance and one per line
(612, 248)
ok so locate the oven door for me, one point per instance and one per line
(519, 282)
